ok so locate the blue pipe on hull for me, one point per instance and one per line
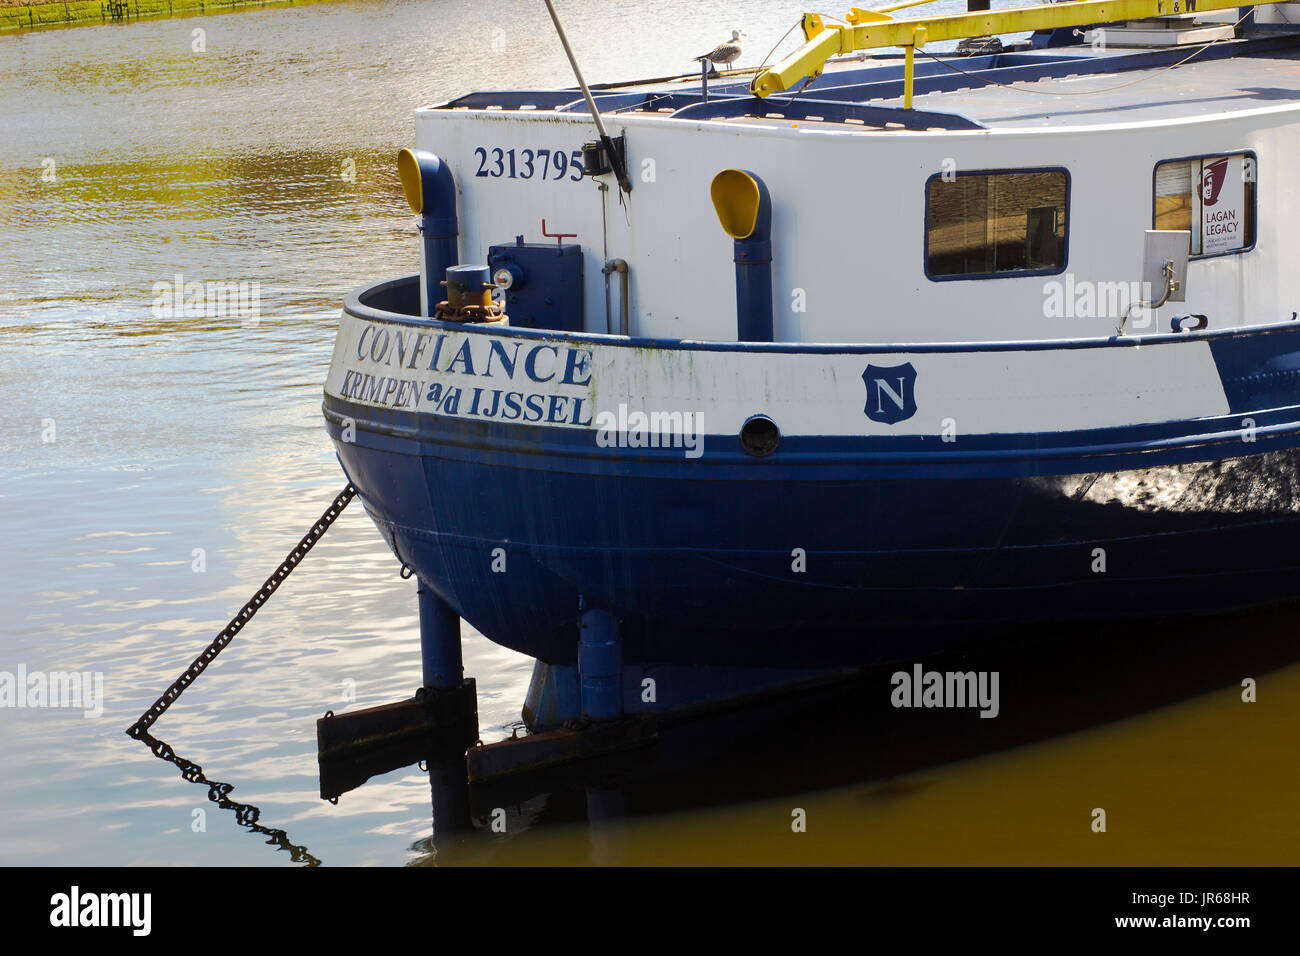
(744, 208)
(439, 641)
(600, 664)
(431, 193)
(753, 291)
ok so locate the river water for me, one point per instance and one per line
(154, 470)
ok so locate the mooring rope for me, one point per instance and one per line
(291, 561)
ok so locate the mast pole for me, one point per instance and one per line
(615, 160)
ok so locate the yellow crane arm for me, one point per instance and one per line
(873, 29)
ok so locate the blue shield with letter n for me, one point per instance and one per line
(891, 392)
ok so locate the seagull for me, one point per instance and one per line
(727, 53)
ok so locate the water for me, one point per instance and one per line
(154, 471)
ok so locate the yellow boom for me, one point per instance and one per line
(873, 29)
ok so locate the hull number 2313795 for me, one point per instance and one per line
(553, 164)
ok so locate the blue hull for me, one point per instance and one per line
(698, 561)
(730, 573)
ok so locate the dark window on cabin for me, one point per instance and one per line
(985, 224)
(1212, 197)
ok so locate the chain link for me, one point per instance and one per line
(246, 814)
(139, 729)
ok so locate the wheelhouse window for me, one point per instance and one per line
(1000, 223)
(1213, 197)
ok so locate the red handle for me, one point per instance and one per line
(559, 237)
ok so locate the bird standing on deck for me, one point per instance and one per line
(724, 54)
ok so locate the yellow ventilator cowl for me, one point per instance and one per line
(737, 197)
(744, 208)
(408, 171)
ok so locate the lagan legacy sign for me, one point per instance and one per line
(1223, 203)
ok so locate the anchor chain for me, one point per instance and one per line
(291, 561)
(246, 815)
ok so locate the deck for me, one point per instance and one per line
(1073, 86)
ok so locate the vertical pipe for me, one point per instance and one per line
(600, 664)
(437, 256)
(620, 266)
(439, 641)
(909, 55)
(431, 193)
(753, 290)
(624, 323)
(744, 210)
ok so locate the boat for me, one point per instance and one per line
(713, 385)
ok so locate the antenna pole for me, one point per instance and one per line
(615, 160)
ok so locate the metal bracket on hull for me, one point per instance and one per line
(581, 741)
(1165, 267)
(442, 717)
(447, 719)
(440, 723)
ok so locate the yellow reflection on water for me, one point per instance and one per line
(1210, 781)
